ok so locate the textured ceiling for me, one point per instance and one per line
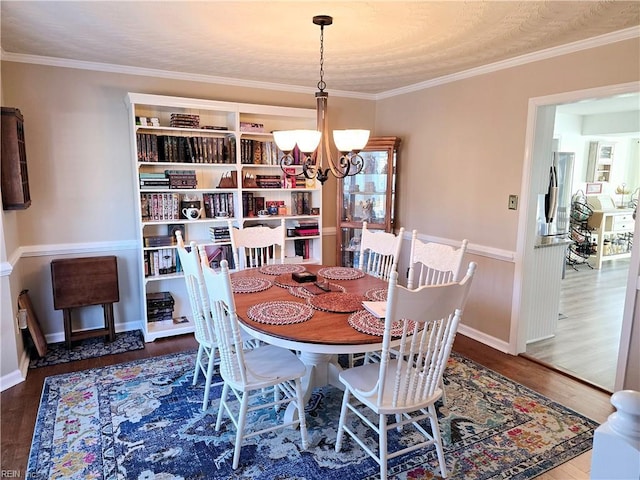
(372, 47)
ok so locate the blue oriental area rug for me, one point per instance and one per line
(143, 420)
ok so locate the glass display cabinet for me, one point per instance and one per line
(367, 197)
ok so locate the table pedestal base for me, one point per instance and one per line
(322, 369)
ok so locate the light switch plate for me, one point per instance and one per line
(513, 202)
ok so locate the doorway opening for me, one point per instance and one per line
(586, 343)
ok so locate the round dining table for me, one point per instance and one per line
(262, 293)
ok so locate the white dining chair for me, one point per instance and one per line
(204, 332)
(257, 246)
(406, 384)
(248, 374)
(432, 263)
(379, 252)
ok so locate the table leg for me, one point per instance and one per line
(66, 314)
(322, 369)
(108, 321)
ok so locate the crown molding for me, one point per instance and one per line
(601, 40)
(155, 73)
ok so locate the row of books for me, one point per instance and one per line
(168, 179)
(217, 203)
(300, 203)
(303, 248)
(171, 148)
(160, 206)
(163, 261)
(259, 152)
(160, 306)
(306, 229)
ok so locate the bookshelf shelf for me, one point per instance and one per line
(211, 163)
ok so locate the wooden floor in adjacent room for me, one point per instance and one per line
(587, 339)
(19, 404)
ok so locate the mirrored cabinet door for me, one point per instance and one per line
(367, 197)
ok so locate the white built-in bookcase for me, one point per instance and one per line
(231, 120)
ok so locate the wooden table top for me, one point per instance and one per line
(323, 328)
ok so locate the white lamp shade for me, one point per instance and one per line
(348, 140)
(308, 140)
(285, 139)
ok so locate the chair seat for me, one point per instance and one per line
(362, 380)
(262, 362)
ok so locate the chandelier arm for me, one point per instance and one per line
(357, 161)
(287, 161)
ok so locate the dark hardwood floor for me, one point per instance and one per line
(19, 404)
(587, 340)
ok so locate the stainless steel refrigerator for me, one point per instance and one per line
(554, 207)
(564, 161)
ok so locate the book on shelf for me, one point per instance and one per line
(159, 206)
(269, 181)
(159, 240)
(259, 152)
(162, 261)
(303, 248)
(251, 127)
(182, 178)
(184, 120)
(301, 203)
(185, 149)
(258, 204)
(217, 204)
(219, 234)
(152, 175)
(159, 299)
(153, 180)
(289, 179)
(274, 203)
(213, 127)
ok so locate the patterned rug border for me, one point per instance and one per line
(529, 468)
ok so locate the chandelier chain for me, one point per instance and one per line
(321, 84)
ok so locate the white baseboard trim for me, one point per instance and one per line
(11, 380)
(17, 376)
(488, 340)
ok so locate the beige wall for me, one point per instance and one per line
(77, 133)
(462, 154)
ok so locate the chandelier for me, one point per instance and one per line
(314, 144)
